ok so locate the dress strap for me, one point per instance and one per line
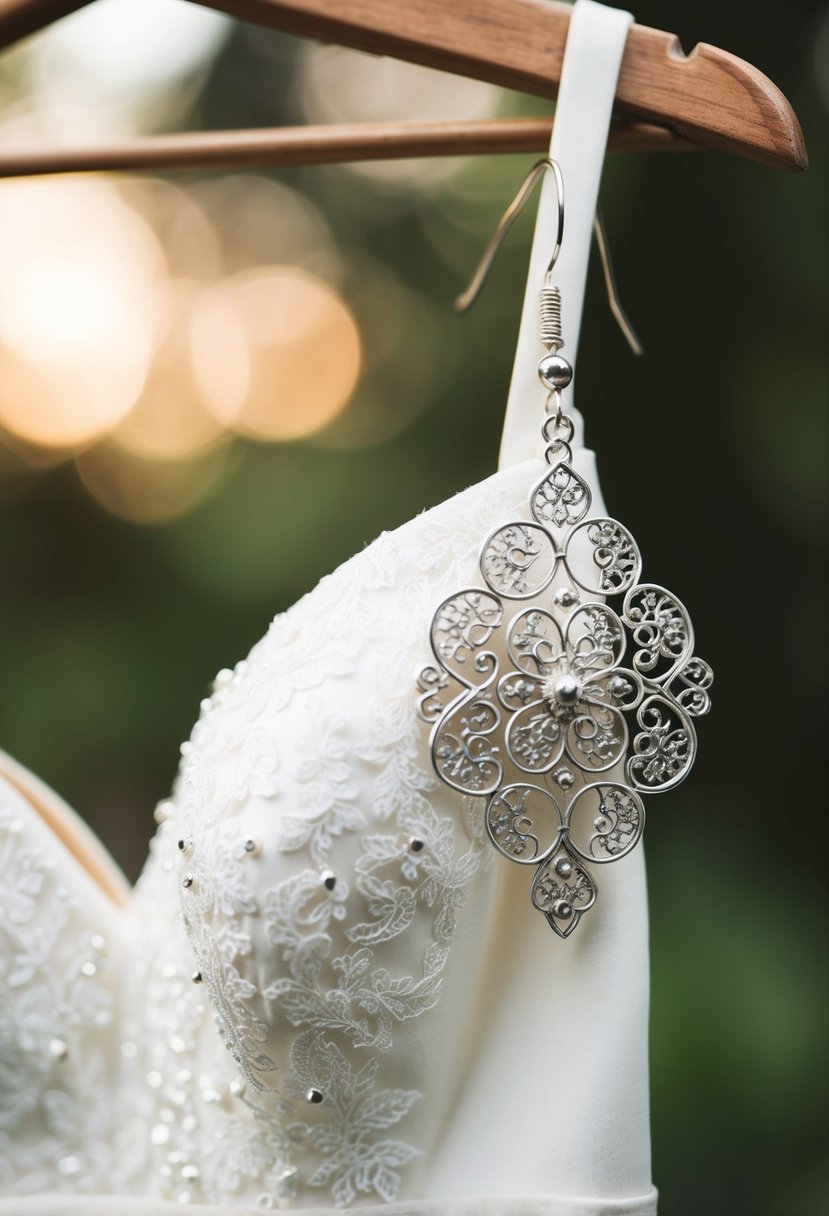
(592, 57)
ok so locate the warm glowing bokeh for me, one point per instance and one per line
(147, 322)
(276, 352)
(170, 419)
(147, 491)
(103, 72)
(341, 85)
(77, 317)
(116, 325)
(260, 222)
(115, 320)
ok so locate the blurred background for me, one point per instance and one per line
(215, 388)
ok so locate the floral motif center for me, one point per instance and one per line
(562, 692)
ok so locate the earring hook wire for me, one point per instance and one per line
(612, 287)
(470, 294)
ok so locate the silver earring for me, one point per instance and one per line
(530, 706)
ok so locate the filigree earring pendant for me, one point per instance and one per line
(554, 708)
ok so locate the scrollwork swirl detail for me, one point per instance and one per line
(549, 726)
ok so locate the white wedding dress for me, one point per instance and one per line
(296, 1008)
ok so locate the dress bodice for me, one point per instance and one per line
(320, 905)
(325, 991)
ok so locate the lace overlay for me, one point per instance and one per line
(319, 903)
(309, 885)
(310, 832)
(57, 1008)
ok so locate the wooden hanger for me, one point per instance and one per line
(664, 99)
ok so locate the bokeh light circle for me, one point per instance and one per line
(276, 352)
(341, 85)
(170, 420)
(77, 323)
(149, 491)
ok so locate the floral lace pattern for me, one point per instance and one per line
(312, 836)
(56, 1016)
(305, 888)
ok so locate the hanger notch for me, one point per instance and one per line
(708, 96)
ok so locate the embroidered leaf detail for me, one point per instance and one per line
(295, 834)
(392, 907)
(377, 850)
(386, 1107)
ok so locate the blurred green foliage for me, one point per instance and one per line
(712, 449)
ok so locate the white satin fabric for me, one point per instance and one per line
(481, 1205)
(593, 55)
(287, 940)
